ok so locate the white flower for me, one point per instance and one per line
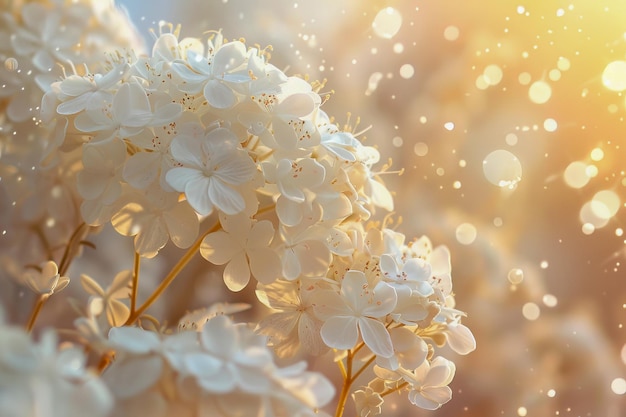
(429, 383)
(79, 93)
(154, 217)
(108, 302)
(127, 115)
(410, 350)
(244, 245)
(211, 168)
(460, 338)
(358, 308)
(293, 326)
(216, 76)
(368, 402)
(47, 280)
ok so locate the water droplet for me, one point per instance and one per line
(387, 23)
(502, 168)
(544, 264)
(466, 233)
(614, 76)
(448, 126)
(11, 64)
(522, 412)
(515, 276)
(551, 393)
(531, 311)
(539, 92)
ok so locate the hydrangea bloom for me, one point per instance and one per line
(205, 130)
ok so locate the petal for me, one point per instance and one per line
(340, 332)
(237, 273)
(229, 57)
(182, 224)
(117, 312)
(460, 338)
(133, 376)
(376, 337)
(225, 198)
(219, 336)
(179, 177)
(219, 95)
(141, 169)
(133, 339)
(219, 247)
(264, 264)
(187, 151)
(91, 286)
(383, 301)
(197, 193)
(417, 399)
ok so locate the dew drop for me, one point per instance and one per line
(502, 168)
(515, 276)
(466, 233)
(539, 92)
(387, 23)
(614, 76)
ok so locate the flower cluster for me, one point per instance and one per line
(206, 130)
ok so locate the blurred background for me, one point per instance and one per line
(507, 118)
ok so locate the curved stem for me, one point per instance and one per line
(33, 316)
(133, 290)
(392, 390)
(67, 254)
(345, 390)
(169, 278)
(363, 368)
